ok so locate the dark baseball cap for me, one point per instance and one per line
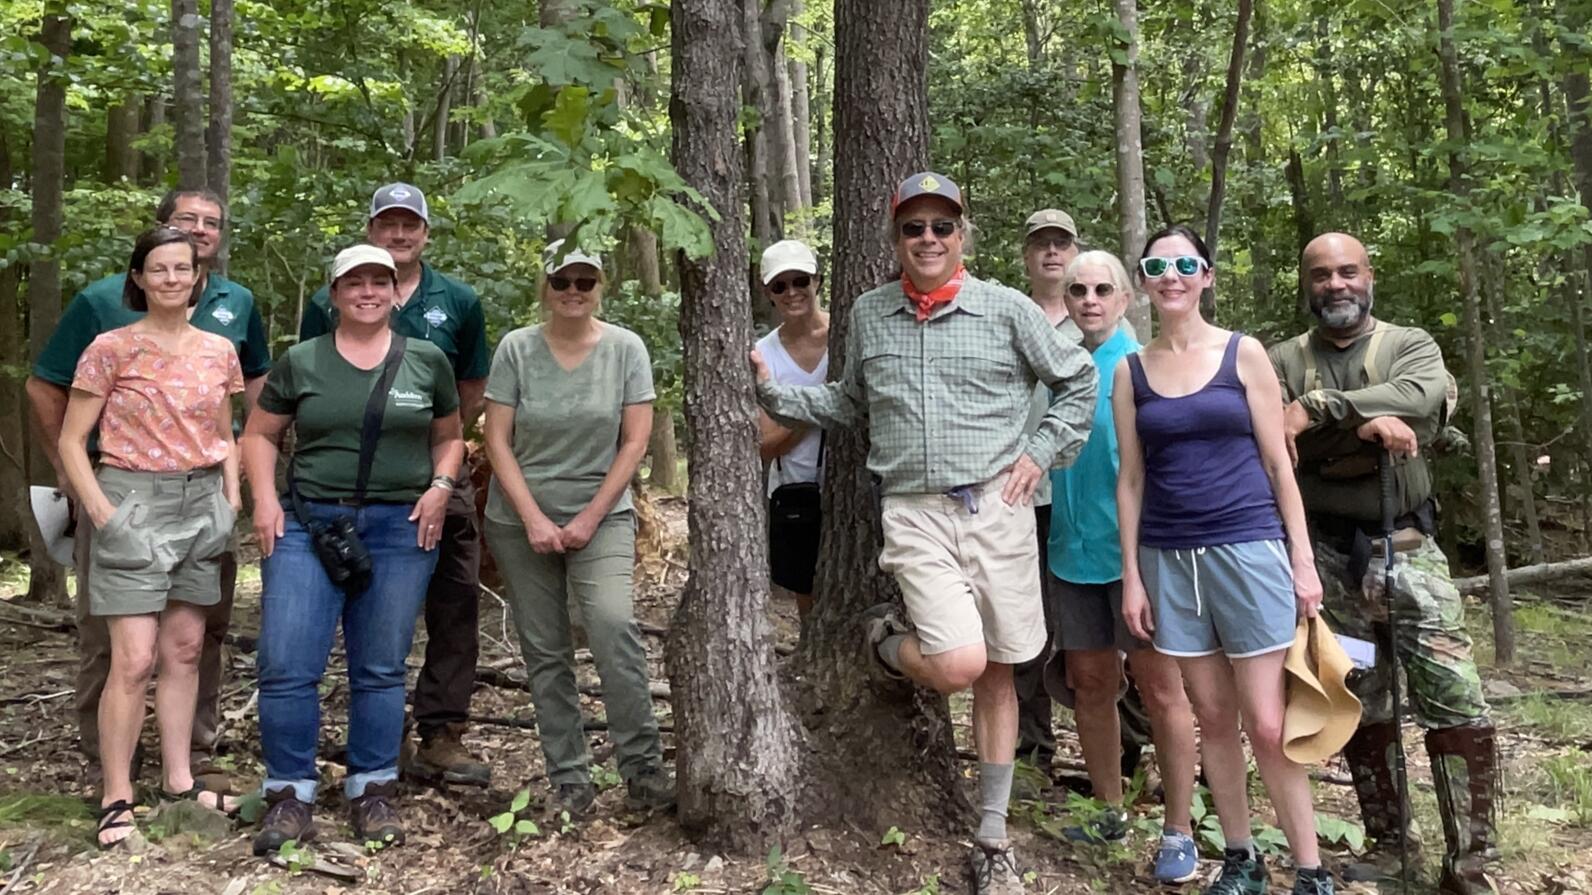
(400, 195)
(927, 183)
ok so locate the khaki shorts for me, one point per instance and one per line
(968, 577)
(165, 541)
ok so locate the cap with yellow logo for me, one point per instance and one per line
(927, 183)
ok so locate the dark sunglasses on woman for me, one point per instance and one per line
(942, 228)
(582, 284)
(778, 287)
(1101, 290)
(1186, 265)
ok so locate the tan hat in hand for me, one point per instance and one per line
(1321, 713)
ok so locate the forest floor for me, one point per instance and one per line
(1544, 708)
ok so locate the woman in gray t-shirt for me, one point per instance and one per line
(568, 412)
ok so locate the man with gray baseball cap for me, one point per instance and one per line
(447, 313)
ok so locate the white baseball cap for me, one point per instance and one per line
(555, 259)
(360, 255)
(787, 254)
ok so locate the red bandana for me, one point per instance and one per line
(924, 302)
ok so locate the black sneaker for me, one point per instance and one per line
(1313, 882)
(374, 818)
(1243, 873)
(575, 798)
(650, 790)
(286, 820)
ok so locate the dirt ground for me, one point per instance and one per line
(46, 827)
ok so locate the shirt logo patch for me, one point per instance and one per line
(224, 315)
(408, 400)
(436, 316)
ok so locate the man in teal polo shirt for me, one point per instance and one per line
(225, 308)
(446, 313)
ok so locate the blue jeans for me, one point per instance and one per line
(299, 610)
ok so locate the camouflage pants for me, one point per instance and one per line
(1444, 687)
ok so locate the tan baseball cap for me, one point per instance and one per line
(1051, 217)
(360, 255)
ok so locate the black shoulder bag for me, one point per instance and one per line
(797, 504)
(336, 540)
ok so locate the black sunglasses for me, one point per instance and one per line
(942, 228)
(582, 284)
(778, 287)
(1081, 290)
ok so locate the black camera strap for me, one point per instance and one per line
(369, 432)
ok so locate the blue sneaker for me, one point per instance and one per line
(1178, 860)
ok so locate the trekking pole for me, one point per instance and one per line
(1390, 511)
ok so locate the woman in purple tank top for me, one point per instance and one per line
(1216, 562)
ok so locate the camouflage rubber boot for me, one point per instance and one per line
(1465, 773)
(442, 758)
(1370, 757)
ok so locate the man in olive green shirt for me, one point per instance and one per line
(225, 308)
(1362, 392)
(446, 313)
(943, 367)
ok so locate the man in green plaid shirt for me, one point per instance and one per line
(942, 366)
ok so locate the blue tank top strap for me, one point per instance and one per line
(1227, 373)
(1141, 386)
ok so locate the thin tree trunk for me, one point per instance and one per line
(218, 143)
(759, 94)
(801, 108)
(1326, 82)
(1476, 349)
(1260, 277)
(439, 127)
(895, 753)
(1578, 102)
(121, 128)
(740, 756)
(154, 163)
(665, 452)
(1304, 222)
(1130, 154)
(790, 179)
(14, 513)
(188, 112)
(1520, 453)
(47, 582)
(1224, 130)
(1031, 36)
(823, 104)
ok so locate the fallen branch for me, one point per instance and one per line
(22, 867)
(1537, 574)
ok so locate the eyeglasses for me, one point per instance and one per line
(1062, 241)
(1081, 290)
(1186, 265)
(582, 284)
(189, 219)
(778, 287)
(942, 228)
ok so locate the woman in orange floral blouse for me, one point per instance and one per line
(160, 510)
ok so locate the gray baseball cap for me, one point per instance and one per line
(400, 195)
(926, 183)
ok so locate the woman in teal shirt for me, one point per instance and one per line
(1086, 564)
(568, 412)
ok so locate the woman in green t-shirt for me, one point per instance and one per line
(568, 412)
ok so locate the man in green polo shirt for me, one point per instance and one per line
(445, 312)
(225, 308)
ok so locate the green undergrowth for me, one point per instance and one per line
(66, 819)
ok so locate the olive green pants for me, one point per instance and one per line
(598, 579)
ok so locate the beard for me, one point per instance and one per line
(1340, 315)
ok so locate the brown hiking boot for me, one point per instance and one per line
(374, 818)
(1464, 771)
(286, 820)
(1370, 757)
(442, 758)
(650, 790)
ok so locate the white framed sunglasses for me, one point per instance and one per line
(1156, 266)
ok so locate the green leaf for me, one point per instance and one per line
(527, 827)
(522, 799)
(1448, 318)
(567, 120)
(658, 22)
(501, 822)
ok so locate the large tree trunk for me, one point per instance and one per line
(739, 756)
(1578, 99)
(121, 128)
(1130, 155)
(48, 582)
(1476, 348)
(188, 110)
(894, 752)
(218, 139)
(14, 513)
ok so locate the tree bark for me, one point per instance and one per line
(218, 138)
(1130, 155)
(47, 582)
(896, 753)
(739, 758)
(1326, 82)
(154, 161)
(1578, 101)
(1031, 37)
(790, 179)
(439, 127)
(1264, 255)
(121, 128)
(801, 109)
(14, 512)
(1534, 574)
(1224, 130)
(665, 452)
(1476, 349)
(760, 94)
(1304, 224)
(1520, 454)
(188, 112)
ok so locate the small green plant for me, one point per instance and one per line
(931, 886)
(296, 857)
(1570, 782)
(684, 882)
(566, 824)
(605, 778)
(1337, 831)
(511, 825)
(781, 879)
(894, 836)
